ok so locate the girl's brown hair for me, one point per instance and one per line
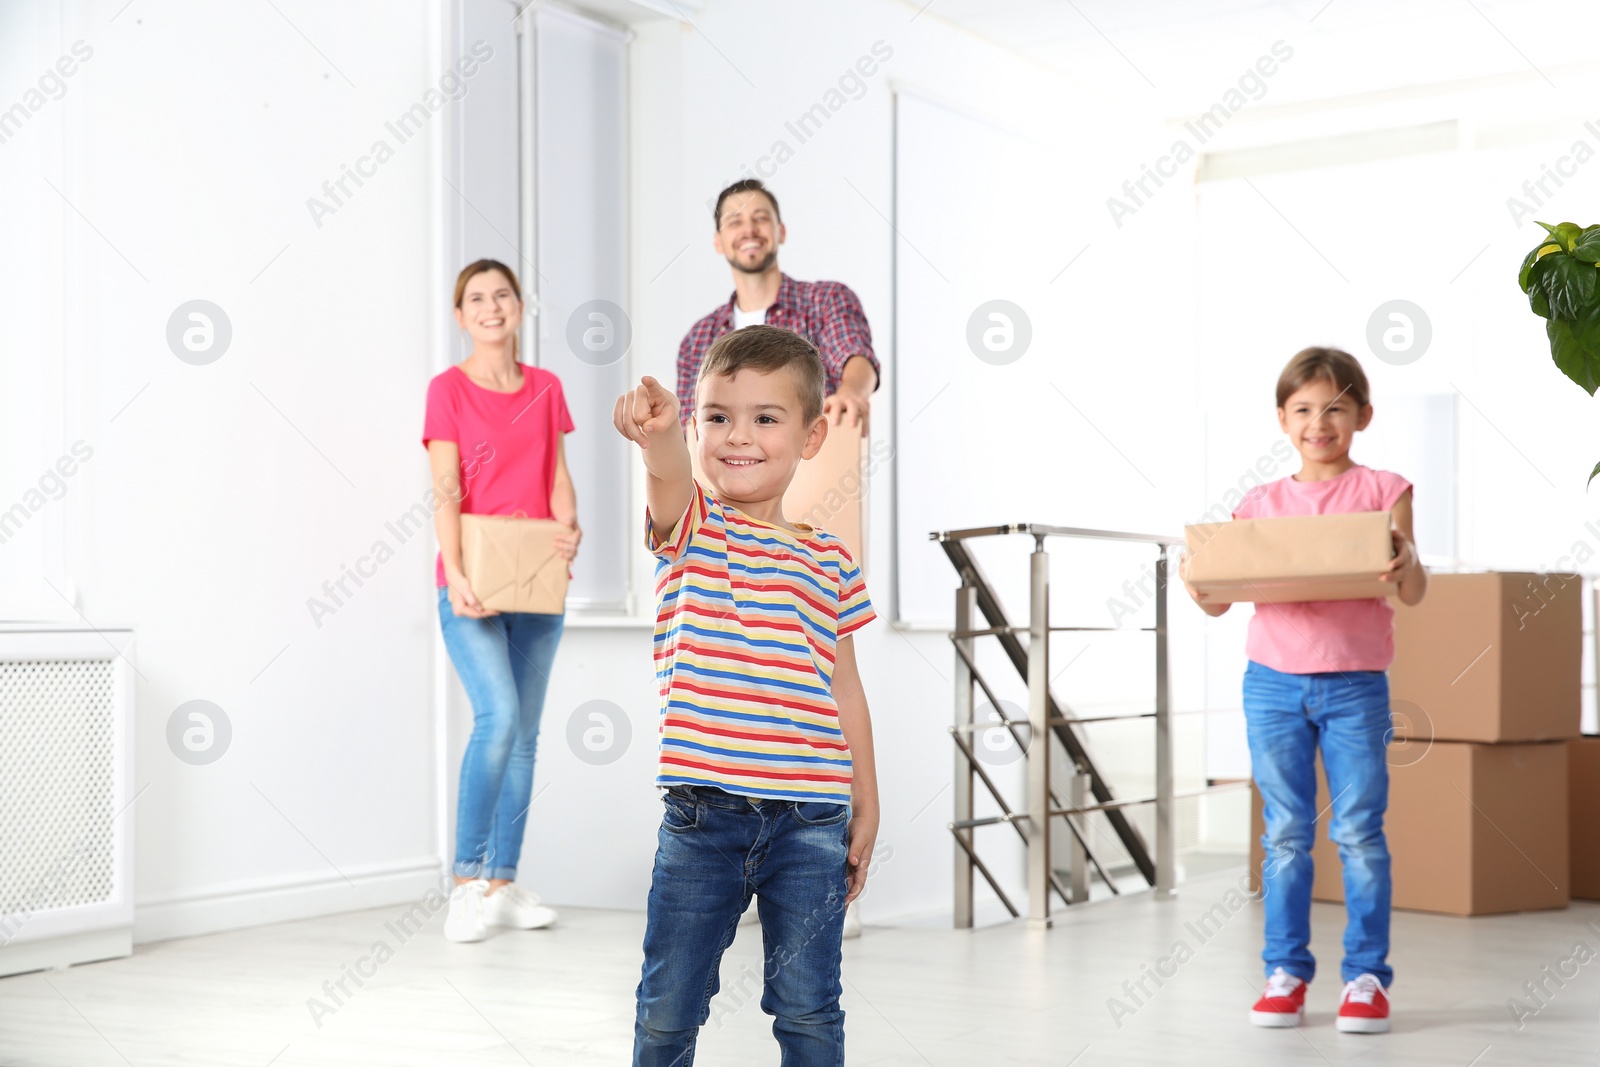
(1325, 364)
(484, 266)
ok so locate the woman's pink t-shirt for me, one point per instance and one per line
(508, 441)
(1323, 635)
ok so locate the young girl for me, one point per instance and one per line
(1316, 681)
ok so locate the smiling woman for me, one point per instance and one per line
(493, 433)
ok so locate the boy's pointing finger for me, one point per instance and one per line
(619, 416)
(641, 404)
(626, 420)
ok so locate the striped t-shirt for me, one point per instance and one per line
(747, 621)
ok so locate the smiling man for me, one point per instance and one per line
(828, 314)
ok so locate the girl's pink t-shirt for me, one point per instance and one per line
(508, 441)
(1323, 635)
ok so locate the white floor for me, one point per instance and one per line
(999, 995)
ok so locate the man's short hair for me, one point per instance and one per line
(767, 349)
(744, 185)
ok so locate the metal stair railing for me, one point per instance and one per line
(1048, 718)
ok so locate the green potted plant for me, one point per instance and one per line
(1562, 282)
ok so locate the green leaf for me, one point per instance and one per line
(1540, 302)
(1570, 285)
(1540, 264)
(1591, 475)
(1527, 264)
(1526, 275)
(1575, 361)
(1587, 250)
(1586, 331)
(1537, 272)
(1564, 233)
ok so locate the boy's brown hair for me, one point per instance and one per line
(1326, 364)
(767, 349)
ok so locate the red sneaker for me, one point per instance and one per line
(1283, 1003)
(1364, 1007)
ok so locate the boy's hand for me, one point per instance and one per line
(646, 410)
(647, 415)
(863, 838)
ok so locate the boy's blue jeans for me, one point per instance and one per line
(713, 851)
(1288, 717)
(504, 665)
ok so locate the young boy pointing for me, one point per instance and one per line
(766, 742)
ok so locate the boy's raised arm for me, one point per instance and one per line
(648, 416)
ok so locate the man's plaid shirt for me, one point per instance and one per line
(827, 314)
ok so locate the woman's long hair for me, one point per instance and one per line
(484, 266)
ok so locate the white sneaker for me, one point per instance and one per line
(852, 920)
(465, 920)
(513, 906)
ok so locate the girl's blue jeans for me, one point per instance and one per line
(1288, 717)
(714, 851)
(504, 665)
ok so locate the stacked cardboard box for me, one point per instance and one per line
(1493, 658)
(1485, 696)
(1583, 820)
(1473, 829)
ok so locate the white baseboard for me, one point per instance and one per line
(65, 950)
(236, 905)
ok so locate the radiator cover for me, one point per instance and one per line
(66, 714)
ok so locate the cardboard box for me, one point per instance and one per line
(1583, 815)
(1492, 657)
(1297, 558)
(829, 490)
(512, 564)
(1473, 830)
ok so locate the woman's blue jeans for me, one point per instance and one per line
(715, 850)
(1288, 717)
(504, 665)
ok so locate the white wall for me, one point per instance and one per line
(698, 124)
(1170, 419)
(221, 497)
(45, 76)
